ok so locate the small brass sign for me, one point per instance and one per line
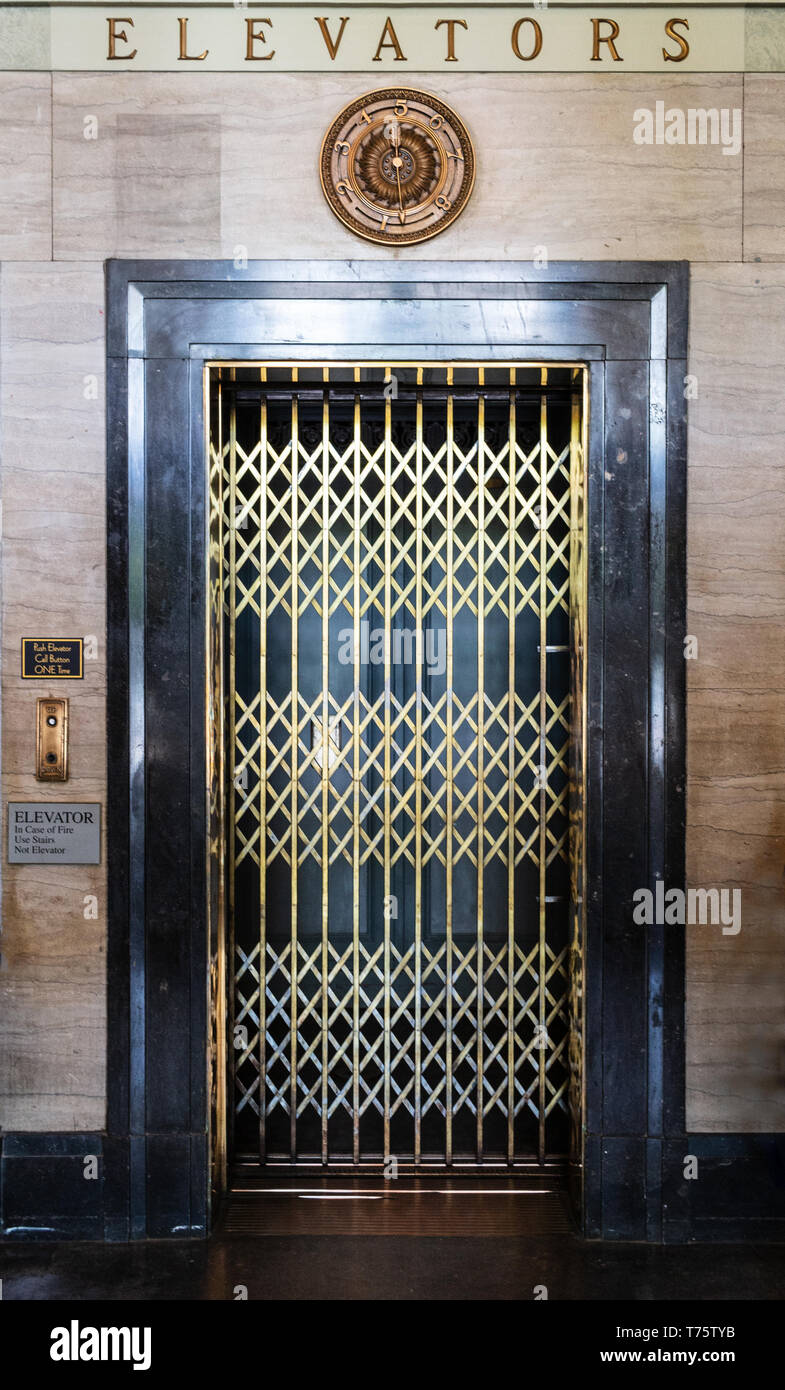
(52, 658)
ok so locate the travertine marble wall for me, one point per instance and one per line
(197, 165)
(53, 462)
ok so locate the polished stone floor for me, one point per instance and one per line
(390, 1267)
(356, 1245)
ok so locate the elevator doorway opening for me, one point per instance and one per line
(396, 718)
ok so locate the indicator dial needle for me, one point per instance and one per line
(397, 163)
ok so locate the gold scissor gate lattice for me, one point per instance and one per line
(396, 554)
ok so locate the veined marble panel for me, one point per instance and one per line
(764, 38)
(52, 987)
(53, 1059)
(25, 166)
(764, 167)
(736, 695)
(559, 172)
(25, 34)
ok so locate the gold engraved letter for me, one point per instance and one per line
(605, 38)
(516, 48)
(680, 39)
(332, 48)
(185, 56)
(256, 36)
(389, 42)
(114, 35)
(451, 23)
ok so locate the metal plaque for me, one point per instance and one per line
(63, 832)
(52, 658)
(52, 740)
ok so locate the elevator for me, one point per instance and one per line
(396, 580)
(396, 708)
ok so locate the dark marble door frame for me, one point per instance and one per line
(628, 321)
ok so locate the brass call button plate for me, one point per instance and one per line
(52, 741)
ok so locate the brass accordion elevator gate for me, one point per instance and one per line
(396, 577)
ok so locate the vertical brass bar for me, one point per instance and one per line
(294, 458)
(387, 754)
(448, 968)
(326, 747)
(232, 701)
(263, 775)
(216, 741)
(356, 782)
(543, 802)
(511, 603)
(577, 770)
(480, 762)
(583, 617)
(418, 627)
